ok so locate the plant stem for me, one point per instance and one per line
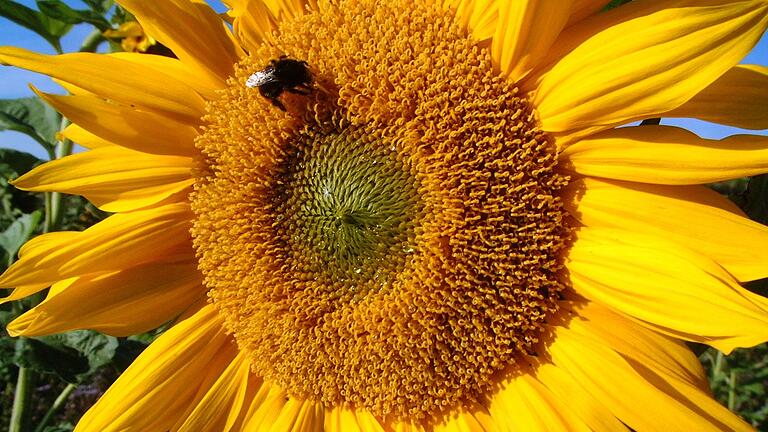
(45, 145)
(732, 390)
(63, 396)
(717, 368)
(47, 223)
(19, 415)
(92, 41)
(54, 212)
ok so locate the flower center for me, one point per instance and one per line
(392, 240)
(345, 208)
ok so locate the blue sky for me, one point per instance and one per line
(15, 82)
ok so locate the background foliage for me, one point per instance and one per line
(47, 383)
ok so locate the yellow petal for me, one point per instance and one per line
(528, 28)
(256, 402)
(223, 403)
(206, 85)
(667, 288)
(469, 418)
(738, 98)
(642, 59)
(120, 303)
(694, 216)
(289, 415)
(699, 401)
(39, 245)
(46, 241)
(639, 344)
(509, 404)
(266, 408)
(480, 17)
(582, 9)
(23, 291)
(113, 178)
(299, 416)
(116, 79)
(71, 88)
(408, 426)
(196, 34)
(524, 404)
(259, 18)
(208, 381)
(587, 407)
(667, 155)
(80, 136)
(662, 362)
(236, 421)
(236, 6)
(343, 419)
(118, 242)
(285, 9)
(367, 422)
(161, 382)
(125, 126)
(610, 379)
(255, 25)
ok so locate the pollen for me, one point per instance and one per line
(392, 241)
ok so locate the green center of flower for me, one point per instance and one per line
(344, 205)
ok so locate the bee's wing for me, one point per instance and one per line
(260, 78)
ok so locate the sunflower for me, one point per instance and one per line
(449, 232)
(132, 37)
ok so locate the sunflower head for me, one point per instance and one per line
(393, 239)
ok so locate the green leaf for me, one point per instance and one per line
(7, 347)
(73, 356)
(14, 163)
(121, 16)
(15, 202)
(18, 233)
(50, 29)
(30, 116)
(60, 11)
(99, 5)
(98, 348)
(50, 357)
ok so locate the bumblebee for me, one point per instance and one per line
(283, 74)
